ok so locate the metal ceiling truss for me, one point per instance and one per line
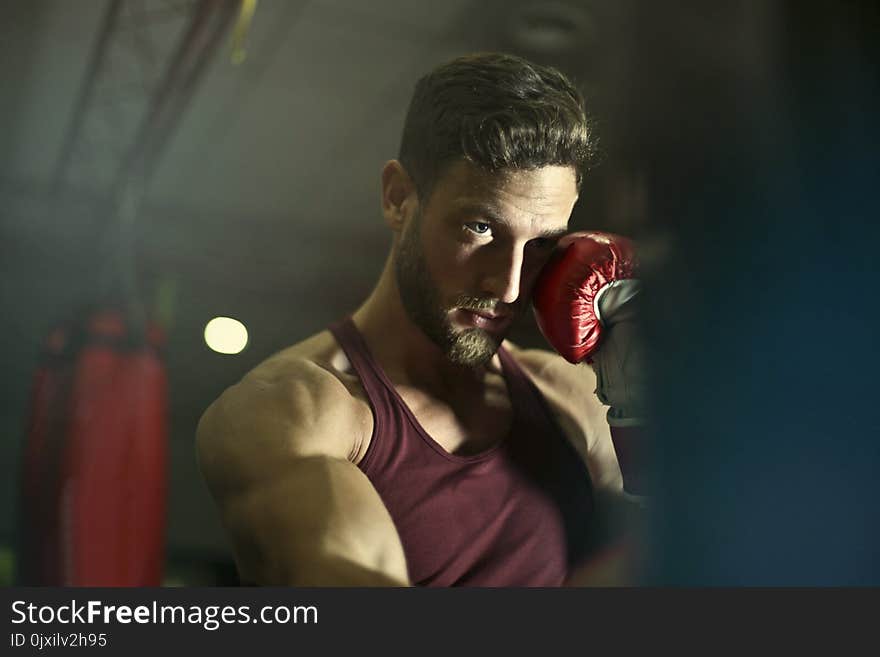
(147, 62)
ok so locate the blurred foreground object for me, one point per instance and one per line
(761, 143)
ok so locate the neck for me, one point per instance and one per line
(402, 349)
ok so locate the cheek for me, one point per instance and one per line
(450, 260)
(443, 268)
(438, 244)
(457, 274)
(444, 263)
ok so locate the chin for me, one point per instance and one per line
(473, 347)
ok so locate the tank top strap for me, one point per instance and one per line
(387, 416)
(358, 353)
(525, 397)
(352, 343)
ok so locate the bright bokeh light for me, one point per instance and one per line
(226, 335)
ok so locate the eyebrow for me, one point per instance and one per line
(491, 213)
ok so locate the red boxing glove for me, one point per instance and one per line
(586, 305)
(567, 296)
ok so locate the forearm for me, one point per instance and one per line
(633, 450)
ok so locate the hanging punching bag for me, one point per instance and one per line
(95, 460)
(38, 563)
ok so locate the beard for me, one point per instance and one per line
(424, 306)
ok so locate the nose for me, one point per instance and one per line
(505, 274)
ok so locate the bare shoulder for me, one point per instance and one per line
(295, 404)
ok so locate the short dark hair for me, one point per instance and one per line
(497, 111)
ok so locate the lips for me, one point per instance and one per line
(492, 316)
(485, 320)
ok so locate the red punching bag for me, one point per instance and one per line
(94, 475)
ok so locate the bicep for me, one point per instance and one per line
(320, 523)
(275, 459)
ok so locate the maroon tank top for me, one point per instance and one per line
(517, 514)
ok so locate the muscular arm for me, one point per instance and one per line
(570, 392)
(275, 453)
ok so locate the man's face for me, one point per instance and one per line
(466, 262)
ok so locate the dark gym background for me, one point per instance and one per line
(739, 146)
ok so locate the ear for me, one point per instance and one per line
(399, 197)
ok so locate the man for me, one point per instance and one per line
(406, 445)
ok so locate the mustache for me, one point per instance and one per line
(483, 304)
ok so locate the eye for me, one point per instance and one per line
(478, 227)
